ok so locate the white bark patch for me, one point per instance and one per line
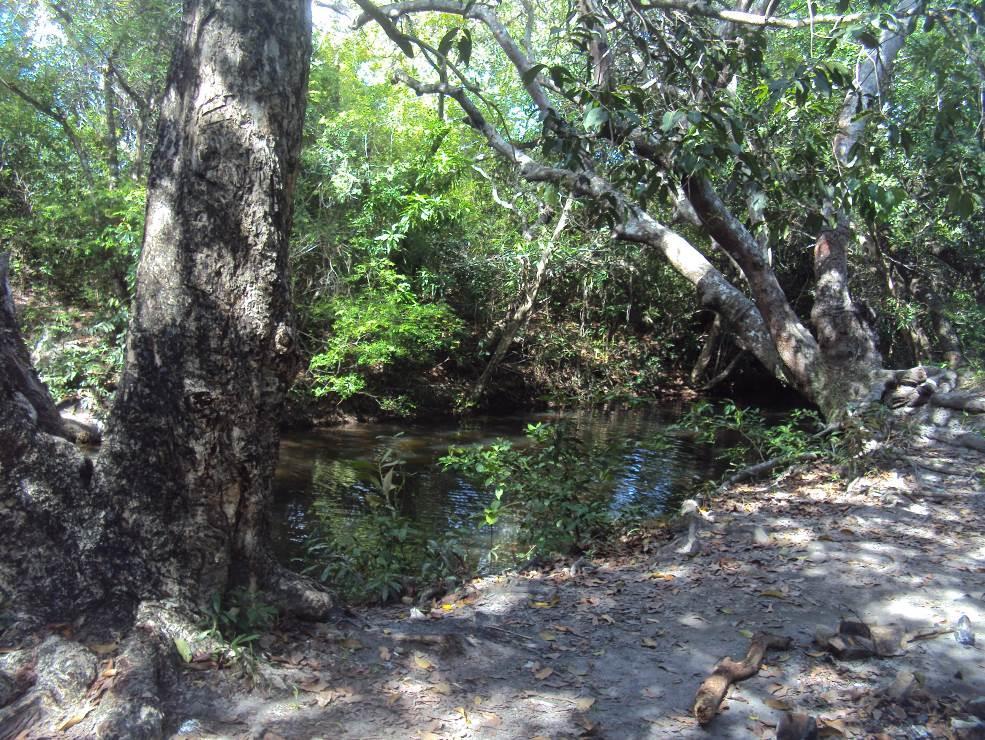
(230, 502)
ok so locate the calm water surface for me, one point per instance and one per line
(335, 468)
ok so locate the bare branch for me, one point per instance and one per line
(697, 7)
(872, 74)
(61, 119)
(633, 224)
(474, 11)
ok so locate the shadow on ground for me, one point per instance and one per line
(618, 649)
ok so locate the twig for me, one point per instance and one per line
(727, 671)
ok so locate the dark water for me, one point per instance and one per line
(332, 470)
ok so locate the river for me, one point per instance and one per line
(331, 471)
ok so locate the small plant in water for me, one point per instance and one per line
(745, 437)
(379, 553)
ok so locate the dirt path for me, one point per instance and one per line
(618, 648)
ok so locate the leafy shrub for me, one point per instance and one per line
(555, 492)
(84, 362)
(745, 436)
(379, 327)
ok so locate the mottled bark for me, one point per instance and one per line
(176, 506)
(44, 487)
(848, 345)
(795, 345)
(17, 372)
(192, 439)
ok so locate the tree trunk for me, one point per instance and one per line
(521, 314)
(15, 363)
(112, 137)
(193, 438)
(847, 344)
(177, 503)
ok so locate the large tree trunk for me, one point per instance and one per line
(193, 432)
(848, 346)
(175, 510)
(177, 503)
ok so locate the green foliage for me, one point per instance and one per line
(81, 354)
(379, 553)
(743, 436)
(968, 316)
(554, 492)
(383, 326)
(238, 622)
(242, 617)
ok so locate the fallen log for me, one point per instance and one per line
(728, 671)
(960, 401)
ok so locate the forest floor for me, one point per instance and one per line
(618, 648)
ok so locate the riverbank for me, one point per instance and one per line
(618, 647)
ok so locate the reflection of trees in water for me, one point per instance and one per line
(328, 475)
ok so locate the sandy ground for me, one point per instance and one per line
(618, 648)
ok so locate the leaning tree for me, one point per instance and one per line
(173, 511)
(678, 110)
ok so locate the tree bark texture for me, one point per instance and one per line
(176, 505)
(16, 369)
(192, 439)
(848, 345)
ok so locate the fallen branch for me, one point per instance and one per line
(967, 440)
(959, 401)
(728, 671)
(767, 466)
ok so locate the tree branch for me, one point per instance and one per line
(633, 224)
(62, 120)
(474, 11)
(697, 7)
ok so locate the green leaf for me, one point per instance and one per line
(181, 645)
(670, 120)
(444, 46)
(595, 118)
(531, 74)
(465, 48)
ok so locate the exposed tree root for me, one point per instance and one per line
(968, 440)
(767, 466)
(728, 671)
(298, 595)
(131, 707)
(54, 678)
(959, 401)
(61, 688)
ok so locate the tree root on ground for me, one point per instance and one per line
(61, 688)
(967, 440)
(298, 595)
(767, 466)
(728, 671)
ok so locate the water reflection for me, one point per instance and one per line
(331, 471)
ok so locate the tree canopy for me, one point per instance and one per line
(709, 151)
